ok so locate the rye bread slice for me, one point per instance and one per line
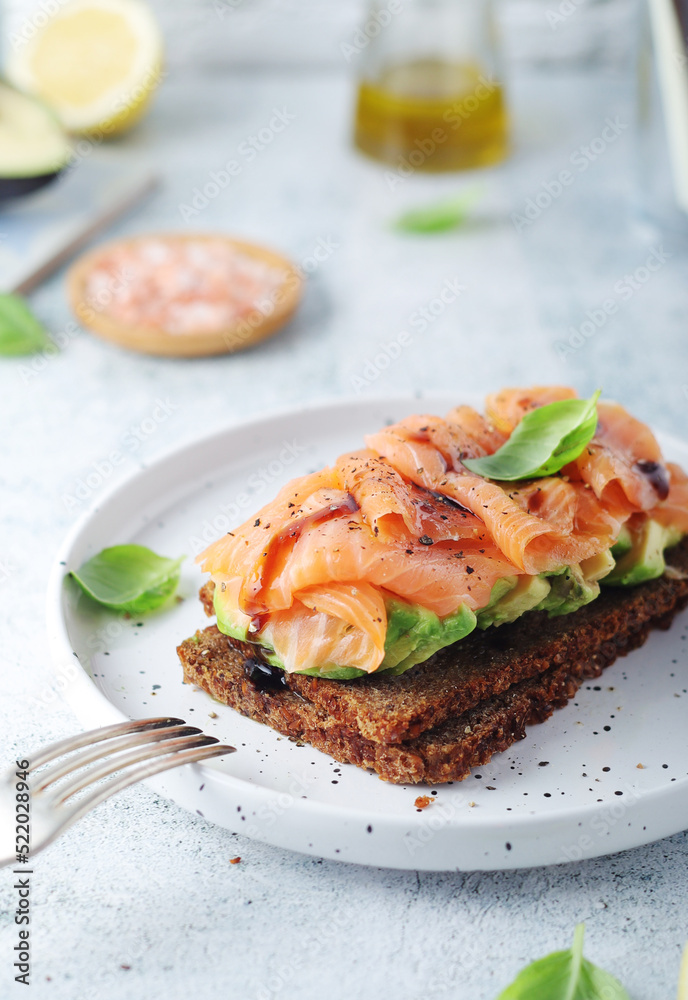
(217, 664)
(393, 710)
(448, 751)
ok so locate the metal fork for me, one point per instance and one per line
(47, 803)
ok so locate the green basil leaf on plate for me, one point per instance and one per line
(450, 213)
(129, 578)
(543, 442)
(565, 975)
(20, 331)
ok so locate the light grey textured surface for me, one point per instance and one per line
(140, 899)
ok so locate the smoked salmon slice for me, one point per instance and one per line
(507, 408)
(672, 512)
(334, 625)
(615, 463)
(526, 536)
(310, 576)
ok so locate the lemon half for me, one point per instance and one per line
(683, 977)
(96, 62)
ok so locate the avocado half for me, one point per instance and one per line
(33, 146)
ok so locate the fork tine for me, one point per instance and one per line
(104, 747)
(133, 775)
(95, 736)
(120, 761)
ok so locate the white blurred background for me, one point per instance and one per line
(296, 33)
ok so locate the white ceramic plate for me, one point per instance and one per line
(572, 789)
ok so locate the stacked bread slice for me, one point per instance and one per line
(456, 710)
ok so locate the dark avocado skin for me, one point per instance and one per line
(18, 187)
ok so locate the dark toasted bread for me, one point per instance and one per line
(460, 707)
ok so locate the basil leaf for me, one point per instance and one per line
(20, 331)
(565, 975)
(443, 215)
(543, 442)
(129, 578)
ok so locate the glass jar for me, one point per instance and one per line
(430, 92)
(661, 155)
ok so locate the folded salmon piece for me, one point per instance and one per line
(397, 548)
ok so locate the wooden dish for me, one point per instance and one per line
(245, 332)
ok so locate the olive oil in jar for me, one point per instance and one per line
(433, 115)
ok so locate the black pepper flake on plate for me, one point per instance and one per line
(469, 569)
(426, 540)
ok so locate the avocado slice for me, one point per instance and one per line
(569, 590)
(557, 593)
(33, 145)
(511, 597)
(230, 620)
(623, 544)
(414, 634)
(644, 559)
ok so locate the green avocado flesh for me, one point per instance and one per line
(414, 634)
(639, 554)
(33, 145)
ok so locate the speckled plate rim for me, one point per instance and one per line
(328, 830)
